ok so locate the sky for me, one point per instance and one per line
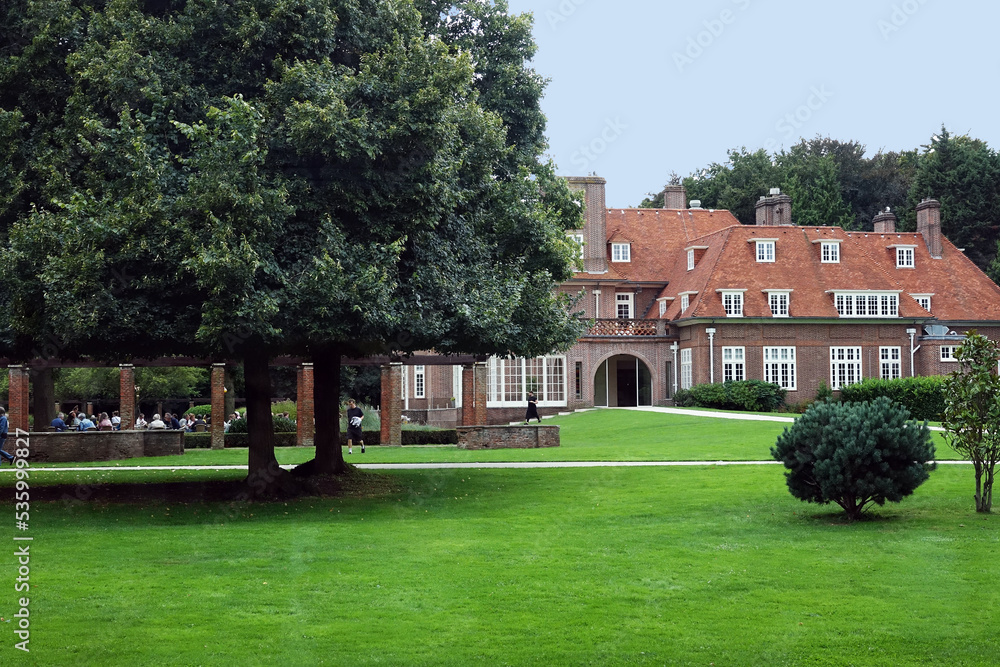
(641, 88)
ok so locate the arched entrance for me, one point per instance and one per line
(623, 381)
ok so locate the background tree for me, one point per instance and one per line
(972, 411)
(855, 454)
(814, 187)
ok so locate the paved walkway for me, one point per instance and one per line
(728, 415)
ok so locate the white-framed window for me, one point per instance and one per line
(733, 364)
(685, 302)
(686, 371)
(923, 300)
(890, 366)
(419, 375)
(765, 251)
(663, 307)
(845, 366)
(779, 366)
(829, 252)
(690, 259)
(904, 257)
(948, 352)
(625, 305)
(621, 252)
(867, 304)
(579, 241)
(778, 301)
(510, 380)
(733, 303)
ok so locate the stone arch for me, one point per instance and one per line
(623, 380)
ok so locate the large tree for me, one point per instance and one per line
(314, 177)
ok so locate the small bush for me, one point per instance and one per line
(200, 411)
(855, 454)
(684, 399)
(924, 397)
(750, 395)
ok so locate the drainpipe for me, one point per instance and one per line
(913, 351)
(674, 347)
(711, 354)
(597, 304)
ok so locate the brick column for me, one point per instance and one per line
(305, 427)
(475, 391)
(218, 406)
(127, 408)
(17, 414)
(482, 392)
(392, 404)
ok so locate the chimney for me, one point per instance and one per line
(674, 196)
(929, 225)
(595, 214)
(885, 222)
(775, 209)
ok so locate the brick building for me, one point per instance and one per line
(685, 295)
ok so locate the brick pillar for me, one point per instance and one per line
(482, 392)
(90, 408)
(305, 427)
(218, 406)
(17, 415)
(127, 408)
(392, 404)
(475, 388)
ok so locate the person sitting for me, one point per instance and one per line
(182, 423)
(157, 423)
(58, 424)
(199, 424)
(104, 424)
(74, 420)
(116, 421)
(141, 422)
(172, 422)
(85, 424)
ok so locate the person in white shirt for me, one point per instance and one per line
(141, 422)
(157, 423)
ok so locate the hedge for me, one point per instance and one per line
(422, 437)
(750, 395)
(924, 397)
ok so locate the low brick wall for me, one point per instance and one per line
(507, 437)
(103, 445)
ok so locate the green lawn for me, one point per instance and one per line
(621, 566)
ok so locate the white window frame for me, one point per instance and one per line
(857, 304)
(552, 383)
(765, 250)
(734, 364)
(845, 366)
(621, 252)
(732, 302)
(690, 259)
(905, 257)
(829, 252)
(663, 307)
(687, 369)
(948, 353)
(579, 239)
(685, 302)
(923, 300)
(419, 382)
(779, 366)
(627, 299)
(890, 362)
(779, 301)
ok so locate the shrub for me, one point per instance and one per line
(751, 395)
(855, 454)
(684, 399)
(204, 440)
(370, 422)
(924, 397)
(281, 425)
(200, 411)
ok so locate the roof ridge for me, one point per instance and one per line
(712, 269)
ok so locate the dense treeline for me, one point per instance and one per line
(833, 182)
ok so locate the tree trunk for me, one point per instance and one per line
(987, 497)
(326, 399)
(979, 485)
(43, 397)
(264, 476)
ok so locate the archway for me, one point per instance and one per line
(623, 381)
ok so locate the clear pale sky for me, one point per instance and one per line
(640, 88)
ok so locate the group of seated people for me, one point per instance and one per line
(79, 421)
(190, 423)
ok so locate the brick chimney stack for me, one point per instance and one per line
(885, 222)
(674, 196)
(929, 225)
(775, 209)
(595, 236)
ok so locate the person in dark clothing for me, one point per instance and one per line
(3, 437)
(354, 434)
(532, 412)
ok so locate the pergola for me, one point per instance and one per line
(474, 390)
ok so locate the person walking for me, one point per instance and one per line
(532, 412)
(354, 418)
(3, 437)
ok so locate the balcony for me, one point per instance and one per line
(621, 327)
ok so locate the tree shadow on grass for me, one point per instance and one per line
(872, 515)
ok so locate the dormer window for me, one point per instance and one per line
(765, 249)
(923, 300)
(867, 304)
(732, 301)
(621, 252)
(778, 302)
(690, 259)
(685, 303)
(830, 252)
(663, 307)
(904, 256)
(694, 254)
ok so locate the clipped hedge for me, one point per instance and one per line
(924, 397)
(204, 440)
(749, 395)
(421, 437)
(281, 425)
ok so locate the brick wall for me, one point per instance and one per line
(507, 437)
(218, 389)
(392, 405)
(305, 428)
(103, 445)
(127, 390)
